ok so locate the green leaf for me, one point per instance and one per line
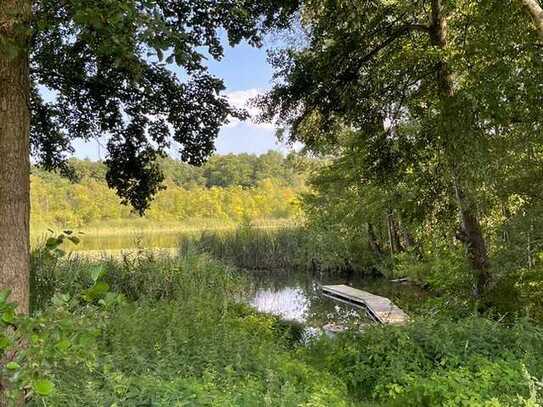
(12, 366)
(63, 345)
(96, 273)
(4, 342)
(97, 291)
(8, 316)
(52, 243)
(74, 239)
(43, 387)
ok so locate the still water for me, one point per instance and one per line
(293, 296)
(297, 297)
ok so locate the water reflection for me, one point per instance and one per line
(289, 303)
(297, 297)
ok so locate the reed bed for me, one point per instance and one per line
(255, 248)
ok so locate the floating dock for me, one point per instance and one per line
(381, 309)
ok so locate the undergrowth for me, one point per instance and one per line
(151, 331)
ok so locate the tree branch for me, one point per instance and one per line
(536, 11)
(418, 27)
(402, 30)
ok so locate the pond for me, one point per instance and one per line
(297, 297)
(293, 296)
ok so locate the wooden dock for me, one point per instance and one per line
(381, 309)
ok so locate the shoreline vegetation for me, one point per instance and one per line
(125, 339)
(415, 174)
(228, 190)
(144, 226)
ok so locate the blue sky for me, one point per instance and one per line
(246, 73)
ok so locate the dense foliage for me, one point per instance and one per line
(430, 114)
(228, 188)
(167, 331)
(105, 69)
(427, 115)
(174, 336)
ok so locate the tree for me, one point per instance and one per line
(106, 64)
(536, 11)
(230, 169)
(424, 83)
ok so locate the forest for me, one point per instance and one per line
(228, 189)
(394, 257)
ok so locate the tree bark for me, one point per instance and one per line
(536, 11)
(375, 247)
(14, 150)
(472, 235)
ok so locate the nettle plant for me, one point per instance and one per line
(32, 347)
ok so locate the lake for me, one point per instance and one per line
(293, 296)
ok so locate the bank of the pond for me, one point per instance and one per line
(281, 248)
(146, 235)
(179, 336)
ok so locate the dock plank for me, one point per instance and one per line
(380, 308)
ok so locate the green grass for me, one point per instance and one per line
(254, 248)
(181, 337)
(131, 226)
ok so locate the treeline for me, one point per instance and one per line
(230, 188)
(245, 170)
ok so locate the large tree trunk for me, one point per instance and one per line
(14, 150)
(536, 11)
(472, 234)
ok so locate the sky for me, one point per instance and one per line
(246, 73)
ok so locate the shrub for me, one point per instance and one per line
(180, 339)
(437, 362)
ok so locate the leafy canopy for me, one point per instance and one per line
(107, 66)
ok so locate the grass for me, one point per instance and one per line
(251, 248)
(179, 338)
(256, 248)
(178, 335)
(142, 234)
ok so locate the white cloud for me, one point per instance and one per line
(240, 99)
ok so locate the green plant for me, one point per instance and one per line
(43, 262)
(437, 362)
(180, 338)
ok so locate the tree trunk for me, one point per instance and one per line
(14, 151)
(396, 233)
(409, 241)
(536, 11)
(473, 238)
(375, 247)
(472, 234)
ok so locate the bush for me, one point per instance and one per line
(437, 362)
(180, 339)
